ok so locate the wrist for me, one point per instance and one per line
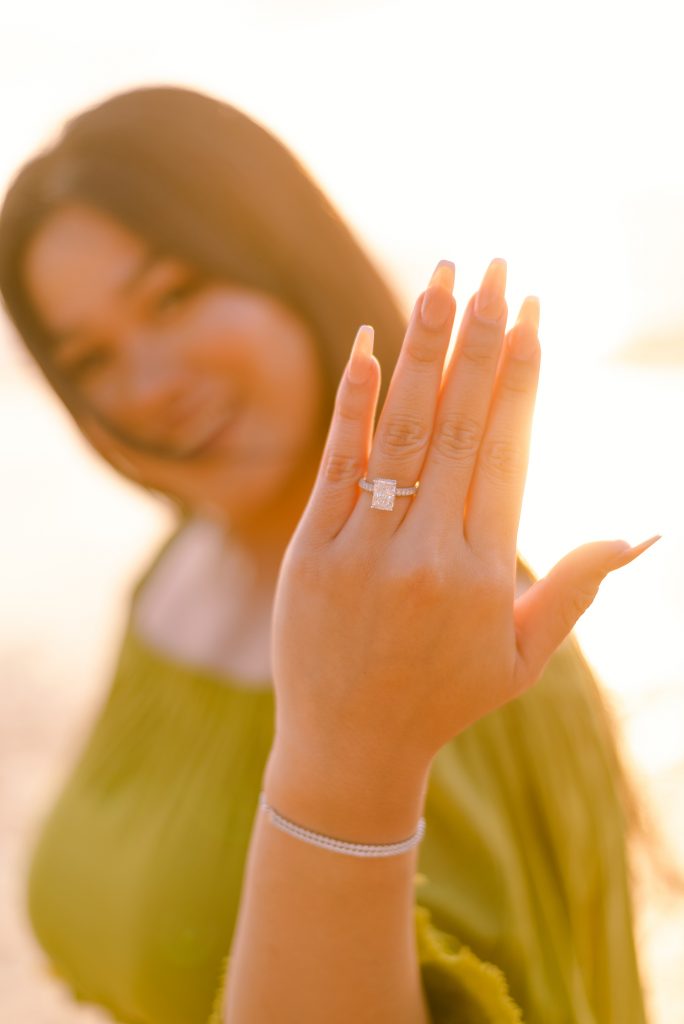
(369, 802)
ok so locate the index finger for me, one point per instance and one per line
(346, 448)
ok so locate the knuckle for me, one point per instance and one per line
(458, 438)
(490, 587)
(426, 568)
(305, 567)
(516, 379)
(495, 580)
(426, 577)
(578, 601)
(349, 405)
(341, 573)
(423, 351)
(340, 467)
(502, 460)
(403, 434)
(349, 568)
(476, 351)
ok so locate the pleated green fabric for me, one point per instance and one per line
(522, 910)
(460, 988)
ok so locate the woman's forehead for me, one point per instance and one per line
(77, 260)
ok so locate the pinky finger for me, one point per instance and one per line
(348, 444)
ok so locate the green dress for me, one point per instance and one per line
(522, 905)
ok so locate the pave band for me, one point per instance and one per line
(342, 845)
(385, 490)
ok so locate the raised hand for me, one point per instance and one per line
(394, 629)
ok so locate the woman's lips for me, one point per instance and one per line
(218, 434)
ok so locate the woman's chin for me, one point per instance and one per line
(234, 491)
(222, 441)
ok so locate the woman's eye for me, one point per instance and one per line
(172, 297)
(96, 358)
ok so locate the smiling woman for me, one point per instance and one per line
(171, 361)
(192, 296)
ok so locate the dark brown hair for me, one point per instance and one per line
(199, 179)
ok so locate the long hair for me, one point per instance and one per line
(199, 179)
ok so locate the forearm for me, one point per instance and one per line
(323, 935)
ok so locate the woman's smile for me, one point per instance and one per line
(218, 435)
(203, 372)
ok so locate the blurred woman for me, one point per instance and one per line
(191, 295)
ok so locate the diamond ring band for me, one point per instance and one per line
(384, 491)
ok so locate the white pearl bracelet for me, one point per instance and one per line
(340, 845)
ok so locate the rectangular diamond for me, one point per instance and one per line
(383, 493)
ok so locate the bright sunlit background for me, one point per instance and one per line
(547, 134)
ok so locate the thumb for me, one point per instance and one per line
(546, 613)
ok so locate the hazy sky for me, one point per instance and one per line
(548, 134)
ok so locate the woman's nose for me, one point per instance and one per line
(155, 381)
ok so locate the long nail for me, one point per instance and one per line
(437, 301)
(359, 365)
(490, 300)
(523, 338)
(630, 553)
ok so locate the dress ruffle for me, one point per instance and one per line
(134, 881)
(459, 987)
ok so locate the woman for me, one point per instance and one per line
(191, 295)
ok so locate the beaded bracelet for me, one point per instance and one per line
(341, 845)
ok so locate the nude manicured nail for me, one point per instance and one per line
(629, 554)
(524, 334)
(490, 300)
(437, 301)
(360, 359)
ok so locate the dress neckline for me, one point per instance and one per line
(198, 671)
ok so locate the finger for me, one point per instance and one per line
(496, 490)
(463, 405)
(546, 613)
(406, 421)
(345, 453)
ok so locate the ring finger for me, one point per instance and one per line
(405, 425)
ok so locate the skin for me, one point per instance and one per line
(160, 357)
(393, 631)
(365, 601)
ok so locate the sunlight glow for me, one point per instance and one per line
(466, 132)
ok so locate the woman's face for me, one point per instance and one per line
(219, 383)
